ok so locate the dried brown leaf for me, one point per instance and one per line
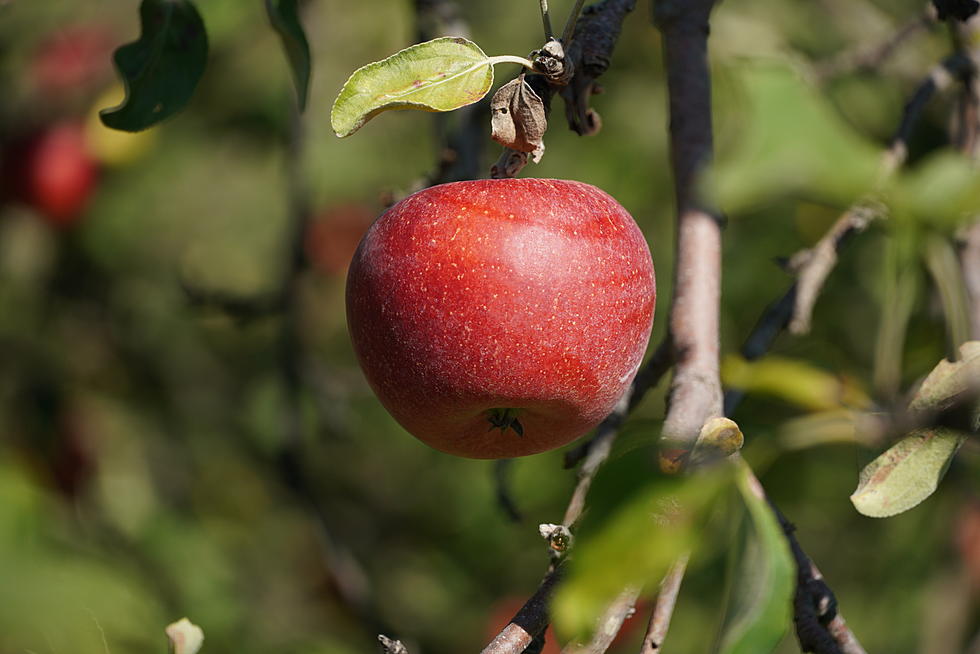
(518, 120)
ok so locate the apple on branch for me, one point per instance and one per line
(501, 318)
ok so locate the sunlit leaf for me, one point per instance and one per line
(162, 68)
(794, 381)
(906, 473)
(284, 17)
(632, 543)
(758, 612)
(438, 75)
(789, 141)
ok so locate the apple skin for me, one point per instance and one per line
(54, 172)
(530, 295)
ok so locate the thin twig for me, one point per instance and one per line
(546, 20)
(970, 264)
(868, 59)
(501, 482)
(819, 626)
(620, 610)
(659, 623)
(813, 265)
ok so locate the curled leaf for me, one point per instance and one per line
(949, 382)
(518, 120)
(185, 637)
(906, 473)
(162, 68)
(439, 75)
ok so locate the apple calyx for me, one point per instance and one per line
(504, 419)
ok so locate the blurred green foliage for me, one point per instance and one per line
(143, 436)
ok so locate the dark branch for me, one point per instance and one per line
(529, 622)
(695, 394)
(588, 56)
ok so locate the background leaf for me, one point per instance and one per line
(284, 17)
(438, 75)
(794, 381)
(162, 68)
(759, 606)
(770, 157)
(906, 473)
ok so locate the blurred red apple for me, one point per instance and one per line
(500, 318)
(333, 236)
(72, 59)
(53, 172)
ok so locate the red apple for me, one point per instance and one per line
(54, 172)
(500, 318)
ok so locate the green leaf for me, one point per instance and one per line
(758, 612)
(439, 75)
(906, 473)
(943, 191)
(785, 139)
(162, 68)
(632, 541)
(284, 17)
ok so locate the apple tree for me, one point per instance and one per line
(192, 432)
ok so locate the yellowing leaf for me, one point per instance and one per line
(906, 473)
(439, 75)
(793, 381)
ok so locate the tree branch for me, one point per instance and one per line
(868, 59)
(588, 54)
(529, 622)
(659, 623)
(609, 624)
(695, 393)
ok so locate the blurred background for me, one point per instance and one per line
(184, 429)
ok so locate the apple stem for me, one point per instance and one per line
(510, 59)
(504, 419)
